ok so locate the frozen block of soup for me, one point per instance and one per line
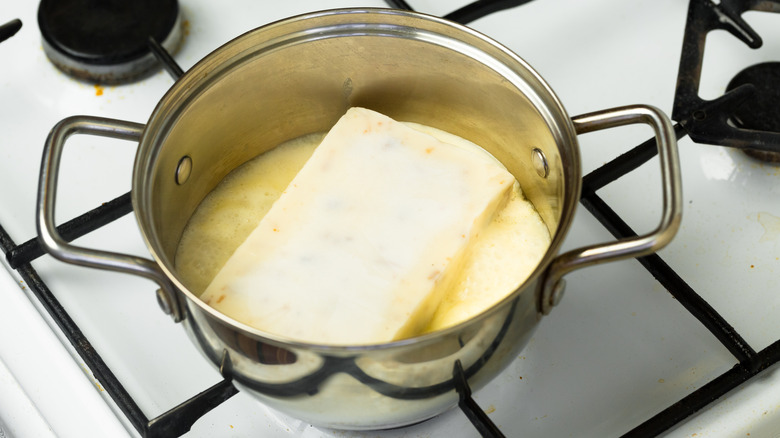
(366, 239)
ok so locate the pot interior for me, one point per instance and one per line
(300, 75)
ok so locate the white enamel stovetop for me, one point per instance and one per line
(617, 350)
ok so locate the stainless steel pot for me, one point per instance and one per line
(298, 76)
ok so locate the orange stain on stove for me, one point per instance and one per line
(490, 409)
(98, 90)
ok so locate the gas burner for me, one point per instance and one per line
(762, 111)
(107, 41)
(717, 121)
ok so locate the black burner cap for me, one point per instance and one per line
(762, 113)
(79, 34)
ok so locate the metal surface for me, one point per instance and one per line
(473, 411)
(183, 170)
(750, 363)
(540, 163)
(9, 29)
(671, 212)
(108, 44)
(173, 422)
(711, 121)
(471, 11)
(662, 272)
(48, 234)
(75, 336)
(72, 229)
(165, 58)
(762, 110)
(709, 393)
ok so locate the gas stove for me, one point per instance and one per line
(621, 354)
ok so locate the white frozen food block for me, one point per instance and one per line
(363, 243)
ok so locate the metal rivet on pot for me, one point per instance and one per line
(164, 303)
(557, 292)
(540, 162)
(183, 170)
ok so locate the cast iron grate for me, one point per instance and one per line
(9, 29)
(749, 362)
(717, 121)
(714, 122)
(172, 423)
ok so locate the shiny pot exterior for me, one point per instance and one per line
(296, 77)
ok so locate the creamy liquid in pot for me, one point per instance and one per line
(503, 256)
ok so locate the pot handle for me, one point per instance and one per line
(50, 238)
(553, 283)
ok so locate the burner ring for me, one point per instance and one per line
(762, 112)
(107, 41)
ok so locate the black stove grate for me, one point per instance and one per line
(9, 29)
(695, 117)
(471, 11)
(749, 362)
(172, 423)
(714, 121)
